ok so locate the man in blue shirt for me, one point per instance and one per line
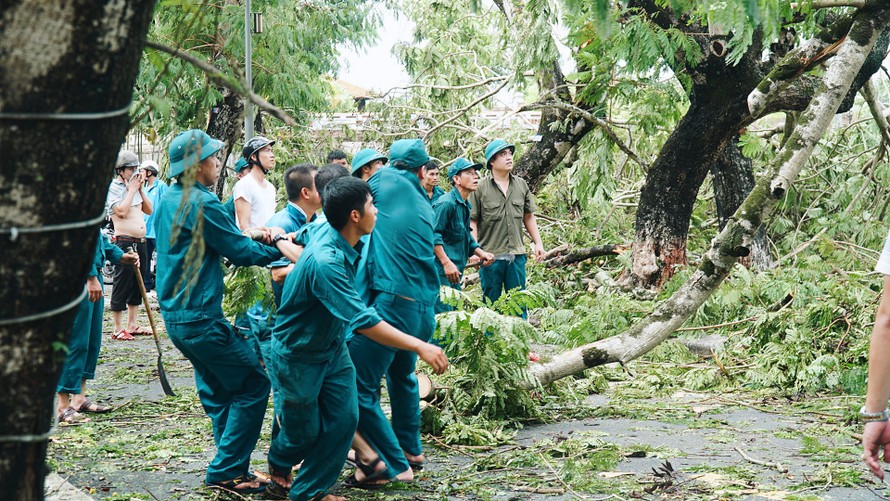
(454, 242)
(404, 288)
(154, 189)
(309, 364)
(193, 232)
(303, 202)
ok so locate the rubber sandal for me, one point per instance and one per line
(416, 465)
(371, 474)
(122, 335)
(232, 486)
(93, 407)
(140, 331)
(71, 416)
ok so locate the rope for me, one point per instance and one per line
(45, 314)
(14, 231)
(12, 115)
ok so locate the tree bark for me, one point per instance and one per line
(78, 56)
(735, 239)
(225, 124)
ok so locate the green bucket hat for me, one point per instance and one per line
(366, 156)
(496, 147)
(192, 146)
(410, 151)
(460, 165)
(241, 164)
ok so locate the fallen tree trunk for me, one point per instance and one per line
(735, 239)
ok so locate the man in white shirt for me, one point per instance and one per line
(254, 195)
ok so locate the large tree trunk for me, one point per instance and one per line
(672, 184)
(735, 239)
(77, 56)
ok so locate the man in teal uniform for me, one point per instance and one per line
(404, 288)
(454, 242)
(315, 398)
(231, 384)
(501, 207)
(86, 337)
(430, 181)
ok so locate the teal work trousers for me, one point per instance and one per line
(503, 275)
(372, 360)
(83, 346)
(233, 389)
(317, 412)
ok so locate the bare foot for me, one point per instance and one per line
(331, 497)
(415, 459)
(406, 476)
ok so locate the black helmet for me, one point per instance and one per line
(254, 145)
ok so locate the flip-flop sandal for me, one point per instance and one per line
(140, 331)
(71, 416)
(93, 407)
(122, 335)
(232, 486)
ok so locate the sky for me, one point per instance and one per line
(375, 68)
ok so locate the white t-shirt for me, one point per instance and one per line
(260, 198)
(883, 265)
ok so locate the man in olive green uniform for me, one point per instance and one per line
(501, 206)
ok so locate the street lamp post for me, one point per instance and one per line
(248, 72)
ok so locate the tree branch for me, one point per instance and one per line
(812, 53)
(464, 110)
(826, 4)
(586, 115)
(578, 255)
(226, 81)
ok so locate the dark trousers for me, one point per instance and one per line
(125, 290)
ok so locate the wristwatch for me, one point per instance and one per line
(871, 417)
(279, 237)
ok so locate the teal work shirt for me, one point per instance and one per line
(452, 229)
(154, 194)
(290, 219)
(437, 192)
(194, 292)
(319, 302)
(400, 258)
